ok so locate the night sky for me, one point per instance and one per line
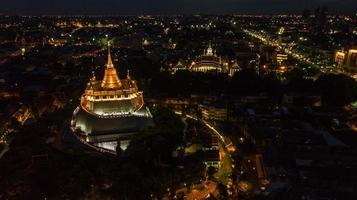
(123, 7)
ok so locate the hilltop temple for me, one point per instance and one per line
(111, 110)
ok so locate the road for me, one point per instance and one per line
(293, 53)
(12, 55)
(226, 147)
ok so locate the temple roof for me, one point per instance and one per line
(125, 84)
(111, 79)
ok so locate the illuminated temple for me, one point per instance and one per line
(111, 110)
(208, 61)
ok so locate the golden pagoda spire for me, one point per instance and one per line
(128, 75)
(111, 79)
(209, 51)
(93, 76)
(93, 79)
(109, 62)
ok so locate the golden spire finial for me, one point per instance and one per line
(128, 75)
(93, 76)
(110, 62)
(209, 51)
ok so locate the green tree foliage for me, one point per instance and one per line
(222, 189)
(211, 171)
(147, 165)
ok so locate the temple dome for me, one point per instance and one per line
(209, 61)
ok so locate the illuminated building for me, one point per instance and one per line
(212, 156)
(179, 66)
(22, 114)
(281, 58)
(214, 113)
(209, 61)
(111, 109)
(347, 59)
(234, 68)
(281, 38)
(340, 58)
(213, 67)
(351, 61)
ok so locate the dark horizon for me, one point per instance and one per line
(175, 7)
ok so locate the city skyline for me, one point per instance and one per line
(178, 100)
(137, 7)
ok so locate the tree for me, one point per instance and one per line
(245, 82)
(295, 73)
(222, 189)
(199, 113)
(336, 89)
(211, 171)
